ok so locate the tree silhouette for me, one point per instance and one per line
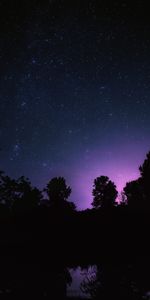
(18, 194)
(145, 168)
(57, 189)
(145, 178)
(138, 191)
(28, 197)
(8, 187)
(58, 193)
(104, 192)
(134, 194)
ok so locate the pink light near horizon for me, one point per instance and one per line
(85, 179)
(121, 167)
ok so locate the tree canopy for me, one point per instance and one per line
(58, 193)
(137, 191)
(104, 193)
(18, 194)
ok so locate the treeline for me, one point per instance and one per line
(28, 215)
(18, 196)
(42, 233)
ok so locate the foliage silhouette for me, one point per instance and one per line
(104, 193)
(145, 179)
(18, 194)
(58, 193)
(39, 242)
(8, 187)
(134, 194)
(28, 198)
(137, 191)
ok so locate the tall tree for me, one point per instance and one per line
(104, 193)
(18, 194)
(138, 191)
(58, 193)
(145, 176)
(133, 192)
(28, 197)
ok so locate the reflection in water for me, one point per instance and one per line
(109, 280)
(79, 277)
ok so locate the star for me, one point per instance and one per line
(23, 104)
(73, 90)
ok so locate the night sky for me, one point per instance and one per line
(74, 91)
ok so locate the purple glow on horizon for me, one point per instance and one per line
(84, 182)
(121, 165)
(78, 105)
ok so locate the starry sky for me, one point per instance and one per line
(74, 91)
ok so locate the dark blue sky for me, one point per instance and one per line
(74, 91)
